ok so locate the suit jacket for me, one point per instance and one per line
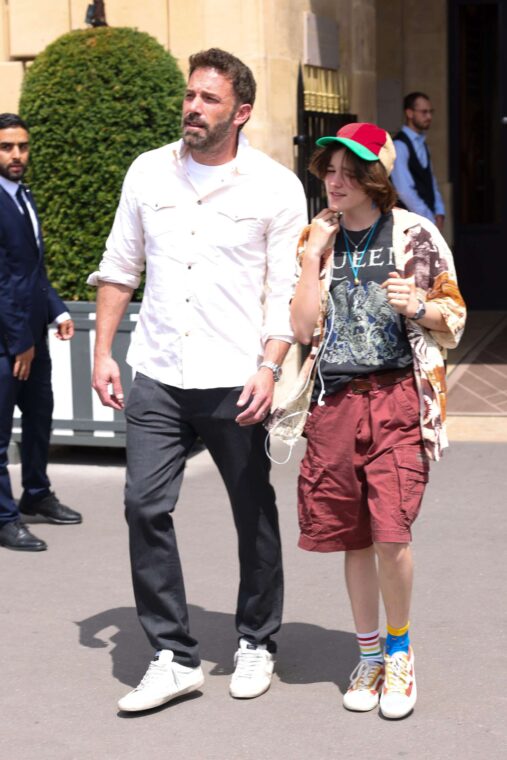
(28, 303)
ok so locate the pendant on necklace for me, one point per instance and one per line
(357, 281)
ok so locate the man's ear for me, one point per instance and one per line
(243, 114)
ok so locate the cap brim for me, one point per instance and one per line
(357, 148)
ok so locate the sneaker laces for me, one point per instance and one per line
(155, 670)
(248, 661)
(363, 674)
(398, 676)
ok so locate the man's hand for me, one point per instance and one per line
(401, 294)
(105, 373)
(65, 330)
(258, 393)
(23, 363)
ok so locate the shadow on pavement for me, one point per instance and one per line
(307, 653)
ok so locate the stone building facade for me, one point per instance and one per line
(380, 49)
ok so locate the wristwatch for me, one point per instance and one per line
(275, 368)
(421, 310)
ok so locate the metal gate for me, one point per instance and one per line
(311, 126)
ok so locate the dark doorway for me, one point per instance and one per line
(311, 126)
(478, 148)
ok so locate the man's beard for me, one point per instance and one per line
(421, 126)
(209, 137)
(14, 177)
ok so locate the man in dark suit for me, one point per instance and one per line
(28, 304)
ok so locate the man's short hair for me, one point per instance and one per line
(409, 100)
(232, 68)
(12, 120)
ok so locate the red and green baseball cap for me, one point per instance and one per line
(369, 142)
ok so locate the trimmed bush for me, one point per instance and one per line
(94, 100)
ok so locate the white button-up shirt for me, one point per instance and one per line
(220, 267)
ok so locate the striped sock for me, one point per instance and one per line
(369, 646)
(398, 639)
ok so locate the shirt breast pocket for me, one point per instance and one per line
(236, 228)
(160, 217)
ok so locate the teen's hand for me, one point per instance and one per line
(401, 294)
(323, 230)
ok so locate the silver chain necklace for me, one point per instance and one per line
(351, 242)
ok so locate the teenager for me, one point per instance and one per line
(378, 300)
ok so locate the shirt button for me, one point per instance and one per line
(189, 266)
(193, 232)
(199, 202)
(187, 300)
(187, 334)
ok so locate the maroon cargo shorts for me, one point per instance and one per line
(363, 476)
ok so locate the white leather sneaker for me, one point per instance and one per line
(253, 670)
(366, 682)
(399, 694)
(164, 680)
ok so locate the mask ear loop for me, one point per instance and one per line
(320, 400)
(290, 445)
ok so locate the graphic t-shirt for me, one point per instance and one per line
(364, 334)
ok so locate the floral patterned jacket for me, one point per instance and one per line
(419, 252)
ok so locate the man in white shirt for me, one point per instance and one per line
(216, 223)
(412, 175)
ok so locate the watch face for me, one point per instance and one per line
(421, 311)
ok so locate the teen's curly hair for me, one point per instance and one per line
(371, 176)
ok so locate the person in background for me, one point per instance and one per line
(28, 304)
(413, 175)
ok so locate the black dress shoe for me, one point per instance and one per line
(51, 509)
(15, 535)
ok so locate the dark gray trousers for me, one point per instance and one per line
(163, 423)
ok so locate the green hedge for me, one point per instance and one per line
(94, 100)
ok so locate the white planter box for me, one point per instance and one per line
(78, 417)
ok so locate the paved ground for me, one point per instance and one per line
(478, 384)
(71, 644)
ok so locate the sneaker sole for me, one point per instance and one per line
(405, 714)
(164, 700)
(361, 709)
(249, 696)
(396, 717)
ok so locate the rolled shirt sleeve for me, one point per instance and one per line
(123, 259)
(282, 239)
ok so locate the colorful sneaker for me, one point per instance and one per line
(164, 680)
(365, 684)
(399, 693)
(253, 671)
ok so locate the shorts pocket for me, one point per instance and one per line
(412, 467)
(407, 397)
(310, 477)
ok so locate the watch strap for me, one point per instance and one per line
(275, 368)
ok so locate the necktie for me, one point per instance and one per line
(26, 214)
